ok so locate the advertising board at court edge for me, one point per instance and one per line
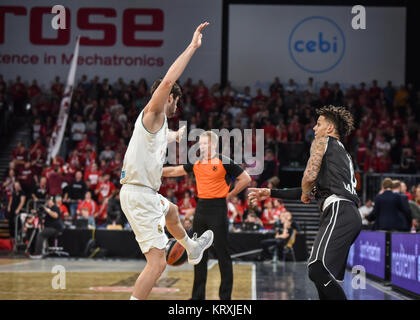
(117, 39)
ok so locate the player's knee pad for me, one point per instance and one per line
(317, 273)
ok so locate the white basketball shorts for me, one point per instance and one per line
(145, 210)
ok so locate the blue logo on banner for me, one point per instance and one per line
(316, 44)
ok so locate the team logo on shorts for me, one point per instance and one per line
(214, 168)
(160, 229)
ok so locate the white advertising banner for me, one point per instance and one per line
(119, 38)
(298, 42)
(60, 126)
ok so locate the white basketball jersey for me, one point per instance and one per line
(145, 156)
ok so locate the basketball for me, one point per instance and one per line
(176, 254)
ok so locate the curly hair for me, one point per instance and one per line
(341, 118)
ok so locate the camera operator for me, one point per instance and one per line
(50, 213)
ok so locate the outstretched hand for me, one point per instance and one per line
(196, 40)
(258, 194)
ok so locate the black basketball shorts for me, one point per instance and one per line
(339, 227)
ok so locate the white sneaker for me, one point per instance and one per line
(203, 243)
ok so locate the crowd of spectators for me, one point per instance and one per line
(85, 177)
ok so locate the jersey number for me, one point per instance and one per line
(351, 188)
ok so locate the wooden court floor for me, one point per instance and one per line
(109, 280)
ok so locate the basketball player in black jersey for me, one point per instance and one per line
(328, 178)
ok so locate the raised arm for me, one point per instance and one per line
(155, 108)
(175, 171)
(312, 168)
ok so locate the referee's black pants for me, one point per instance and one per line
(212, 214)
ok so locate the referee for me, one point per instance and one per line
(213, 174)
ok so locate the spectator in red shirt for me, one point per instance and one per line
(57, 88)
(7, 185)
(34, 90)
(89, 158)
(27, 179)
(370, 162)
(19, 156)
(295, 130)
(84, 143)
(54, 181)
(37, 145)
(187, 205)
(235, 210)
(269, 129)
(102, 214)
(260, 97)
(64, 211)
(92, 177)
(384, 163)
(115, 166)
(110, 138)
(87, 203)
(38, 162)
(75, 159)
(281, 133)
(105, 188)
(268, 214)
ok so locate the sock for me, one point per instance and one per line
(133, 298)
(187, 243)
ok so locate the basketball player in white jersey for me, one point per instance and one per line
(146, 210)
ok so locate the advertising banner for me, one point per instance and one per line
(369, 251)
(298, 42)
(405, 261)
(119, 38)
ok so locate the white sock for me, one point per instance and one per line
(187, 243)
(133, 298)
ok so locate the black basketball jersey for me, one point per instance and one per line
(336, 175)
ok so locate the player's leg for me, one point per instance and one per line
(156, 263)
(195, 247)
(328, 288)
(340, 229)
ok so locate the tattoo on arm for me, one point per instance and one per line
(315, 160)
